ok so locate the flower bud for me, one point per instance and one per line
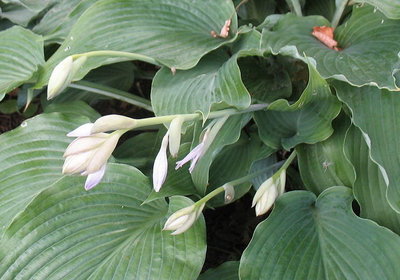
(175, 130)
(265, 197)
(229, 193)
(183, 219)
(113, 122)
(160, 168)
(60, 77)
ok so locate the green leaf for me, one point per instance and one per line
(255, 11)
(308, 120)
(21, 55)
(215, 80)
(324, 164)
(176, 34)
(391, 8)
(325, 8)
(58, 21)
(369, 43)
(139, 151)
(226, 271)
(375, 112)
(228, 134)
(31, 157)
(309, 238)
(369, 187)
(69, 233)
(75, 107)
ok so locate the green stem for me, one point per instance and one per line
(338, 13)
(288, 161)
(113, 93)
(189, 117)
(233, 183)
(295, 7)
(132, 56)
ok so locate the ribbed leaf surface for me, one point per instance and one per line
(21, 54)
(175, 33)
(309, 238)
(369, 43)
(69, 233)
(31, 160)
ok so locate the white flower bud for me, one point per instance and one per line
(183, 219)
(160, 168)
(175, 130)
(113, 122)
(60, 77)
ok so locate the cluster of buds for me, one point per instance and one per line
(268, 192)
(88, 153)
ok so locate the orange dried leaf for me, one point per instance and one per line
(325, 35)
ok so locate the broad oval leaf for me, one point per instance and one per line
(369, 187)
(69, 233)
(375, 112)
(309, 238)
(21, 55)
(31, 157)
(324, 164)
(369, 43)
(308, 120)
(215, 80)
(175, 33)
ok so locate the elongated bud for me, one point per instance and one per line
(60, 77)
(113, 122)
(160, 168)
(282, 182)
(175, 130)
(265, 196)
(183, 219)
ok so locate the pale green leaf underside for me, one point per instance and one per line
(175, 33)
(306, 121)
(215, 80)
(309, 238)
(369, 42)
(375, 112)
(369, 187)
(21, 54)
(69, 233)
(31, 160)
(391, 8)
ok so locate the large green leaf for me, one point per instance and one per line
(69, 233)
(375, 112)
(21, 55)
(324, 164)
(175, 33)
(369, 187)
(391, 8)
(58, 21)
(369, 43)
(31, 160)
(309, 238)
(215, 80)
(308, 120)
(226, 271)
